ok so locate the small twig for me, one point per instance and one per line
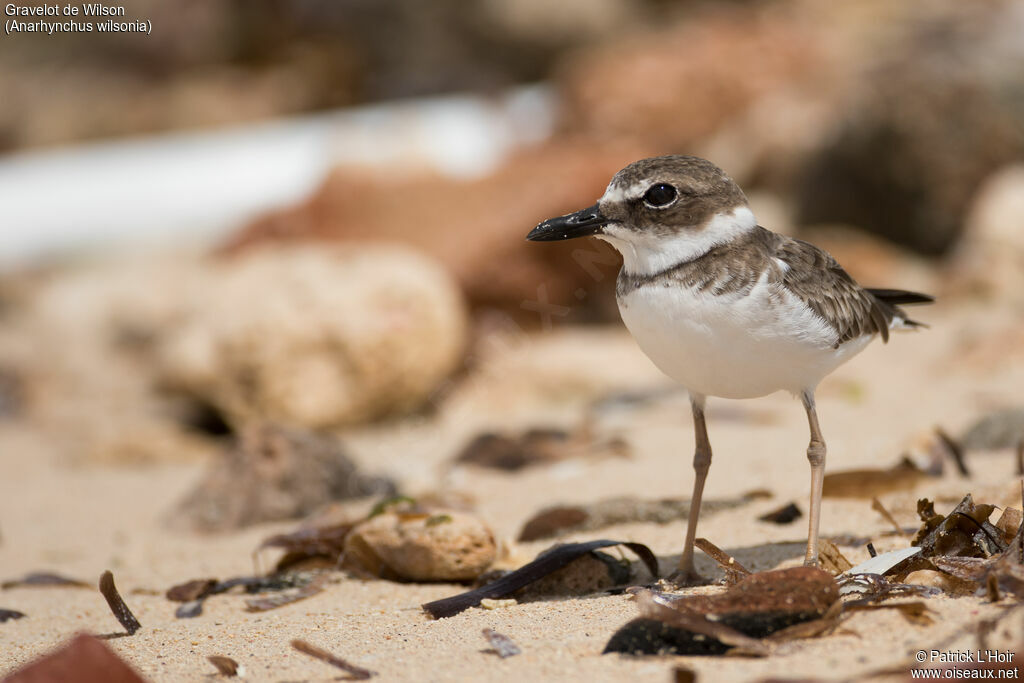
(1020, 458)
(871, 550)
(955, 450)
(358, 673)
(877, 506)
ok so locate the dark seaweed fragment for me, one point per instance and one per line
(545, 563)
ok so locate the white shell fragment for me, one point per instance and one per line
(880, 564)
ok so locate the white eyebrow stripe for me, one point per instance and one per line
(619, 194)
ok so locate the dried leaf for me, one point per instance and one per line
(544, 564)
(191, 590)
(964, 532)
(117, 604)
(831, 559)
(503, 645)
(652, 607)
(357, 673)
(869, 483)
(758, 606)
(326, 542)
(85, 658)
(734, 571)
(1009, 523)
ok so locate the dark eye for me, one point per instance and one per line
(660, 195)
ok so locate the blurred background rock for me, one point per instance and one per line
(891, 133)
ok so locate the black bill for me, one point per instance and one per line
(588, 221)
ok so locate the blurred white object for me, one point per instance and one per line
(196, 186)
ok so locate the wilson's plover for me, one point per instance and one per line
(724, 306)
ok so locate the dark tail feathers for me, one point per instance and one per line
(900, 296)
(891, 300)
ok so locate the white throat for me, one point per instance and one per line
(646, 254)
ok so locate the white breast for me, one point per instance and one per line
(734, 345)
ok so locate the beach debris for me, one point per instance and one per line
(874, 482)
(877, 506)
(225, 666)
(964, 532)
(44, 580)
(559, 520)
(737, 620)
(734, 571)
(356, 673)
(190, 609)
(1009, 523)
(954, 450)
(195, 592)
(117, 605)
(275, 473)
(85, 659)
(997, 430)
(537, 446)
(10, 615)
(865, 589)
(501, 645)
(312, 587)
(491, 603)
(831, 559)
(421, 546)
(958, 553)
(883, 563)
(547, 562)
(787, 514)
(191, 590)
(308, 544)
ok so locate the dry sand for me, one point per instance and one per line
(82, 520)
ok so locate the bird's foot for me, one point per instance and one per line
(687, 578)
